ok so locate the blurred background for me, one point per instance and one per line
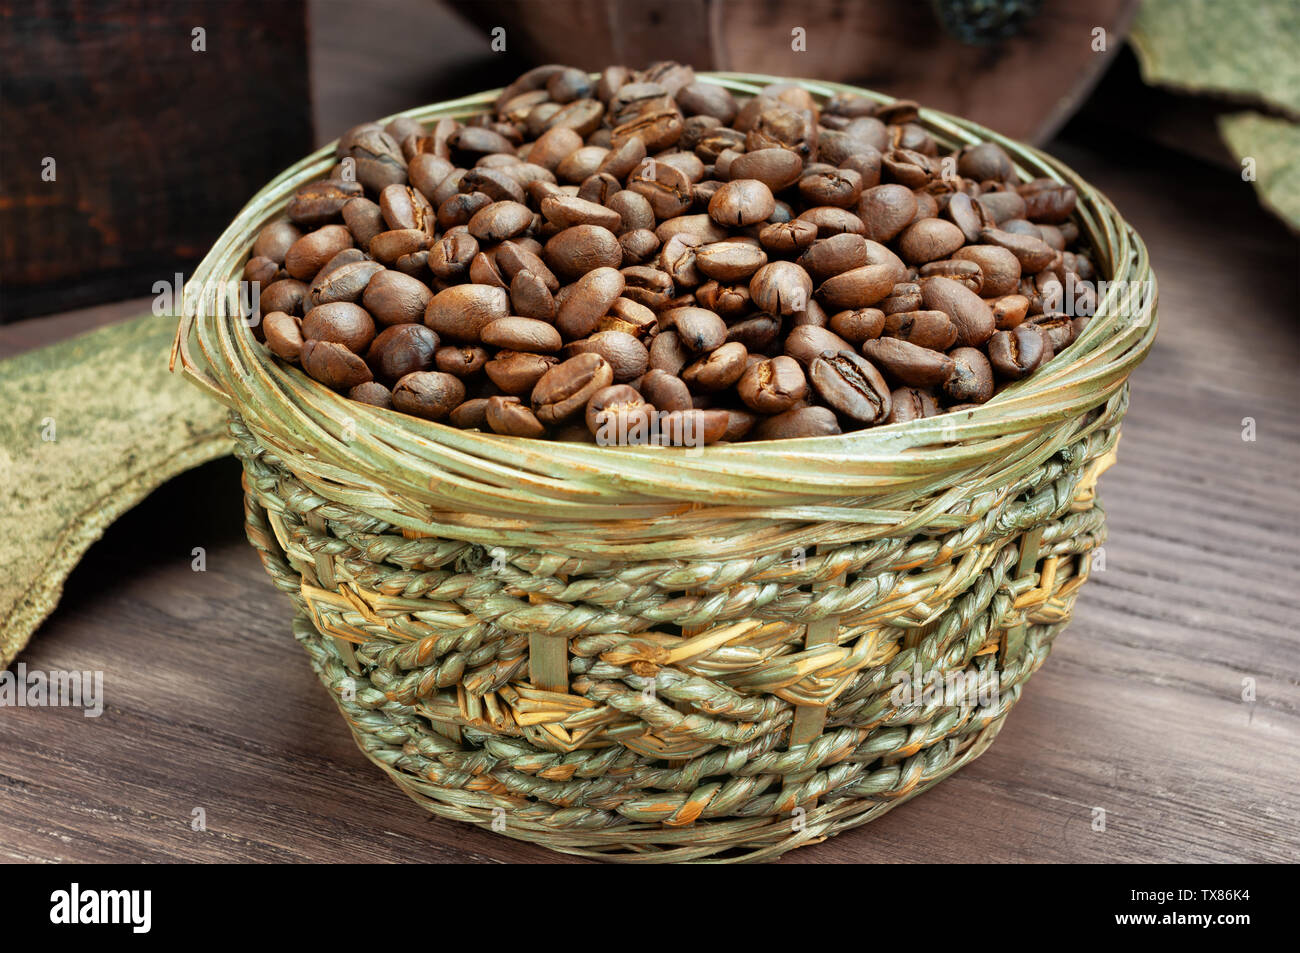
(135, 130)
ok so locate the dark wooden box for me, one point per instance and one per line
(155, 144)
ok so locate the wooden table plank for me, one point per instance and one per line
(1138, 712)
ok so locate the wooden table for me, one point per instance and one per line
(1139, 712)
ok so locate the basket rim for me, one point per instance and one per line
(355, 446)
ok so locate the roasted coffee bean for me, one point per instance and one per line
(598, 189)
(777, 168)
(460, 313)
(700, 227)
(507, 415)
(450, 256)
(628, 358)
(677, 260)
(757, 333)
(364, 220)
(514, 257)
(692, 428)
(828, 257)
(379, 160)
(966, 272)
(405, 207)
(647, 286)
(471, 415)
(497, 184)
(910, 403)
(730, 260)
(588, 299)
(394, 298)
(1000, 268)
(833, 221)
(483, 270)
(499, 221)
(1009, 311)
(706, 99)
(288, 295)
(886, 210)
(631, 318)
(344, 283)
(275, 240)
(619, 416)
(1033, 254)
(427, 173)
(972, 376)
(808, 342)
(781, 288)
(659, 129)
(333, 364)
(969, 312)
(718, 369)
(774, 385)
(858, 325)
(798, 422)
(665, 391)
(667, 353)
(531, 298)
(633, 209)
(1060, 330)
(838, 187)
(1015, 354)
(698, 329)
(306, 255)
(639, 246)
(908, 363)
(373, 393)
(460, 360)
(340, 322)
(859, 287)
(261, 271)
(985, 161)
(1047, 200)
(851, 385)
(929, 240)
(931, 329)
(283, 335)
(583, 248)
(962, 211)
(787, 238)
(400, 350)
(521, 334)
(553, 146)
(428, 394)
(1001, 206)
(565, 389)
(664, 186)
(729, 301)
(742, 202)
(388, 247)
(581, 164)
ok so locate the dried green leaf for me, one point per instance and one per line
(1246, 49)
(1274, 146)
(90, 427)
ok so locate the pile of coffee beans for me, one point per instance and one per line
(644, 257)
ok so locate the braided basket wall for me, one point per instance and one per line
(653, 654)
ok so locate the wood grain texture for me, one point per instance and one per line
(1138, 712)
(157, 144)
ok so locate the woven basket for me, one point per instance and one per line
(659, 654)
